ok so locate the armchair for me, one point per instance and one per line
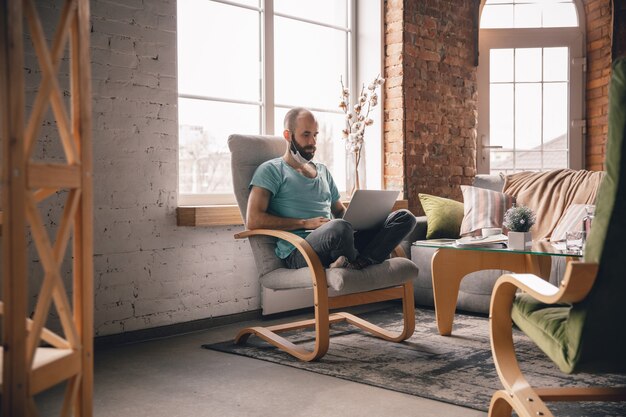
(332, 288)
(579, 325)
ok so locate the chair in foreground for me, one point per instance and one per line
(332, 288)
(580, 324)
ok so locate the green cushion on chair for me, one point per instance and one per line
(591, 334)
(549, 327)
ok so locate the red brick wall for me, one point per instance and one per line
(598, 22)
(430, 99)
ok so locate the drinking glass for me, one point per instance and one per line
(574, 240)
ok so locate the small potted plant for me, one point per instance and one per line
(519, 220)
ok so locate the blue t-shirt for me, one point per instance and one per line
(294, 195)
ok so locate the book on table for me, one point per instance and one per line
(496, 241)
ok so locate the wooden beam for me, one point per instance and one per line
(15, 384)
(53, 176)
(83, 222)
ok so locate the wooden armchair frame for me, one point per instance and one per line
(323, 303)
(517, 393)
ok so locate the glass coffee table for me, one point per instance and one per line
(450, 264)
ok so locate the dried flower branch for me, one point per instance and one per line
(357, 118)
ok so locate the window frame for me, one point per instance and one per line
(267, 103)
(574, 39)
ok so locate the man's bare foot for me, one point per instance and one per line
(341, 262)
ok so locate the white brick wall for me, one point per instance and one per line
(148, 271)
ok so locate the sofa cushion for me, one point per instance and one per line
(483, 208)
(444, 216)
(571, 220)
(489, 182)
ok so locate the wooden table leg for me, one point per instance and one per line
(450, 266)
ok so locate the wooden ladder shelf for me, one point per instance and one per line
(33, 358)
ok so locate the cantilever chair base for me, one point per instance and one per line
(322, 337)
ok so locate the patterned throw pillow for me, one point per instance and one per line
(483, 208)
(443, 216)
(571, 220)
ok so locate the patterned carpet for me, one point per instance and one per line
(456, 370)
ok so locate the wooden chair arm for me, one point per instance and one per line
(313, 261)
(398, 252)
(577, 282)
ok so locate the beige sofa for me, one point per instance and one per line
(476, 288)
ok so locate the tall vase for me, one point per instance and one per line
(355, 171)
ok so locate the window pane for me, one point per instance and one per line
(560, 15)
(555, 115)
(500, 161)
(501, 65)
(555, 160)
(215, 57)
(527, 161)
(501, 115)
(555, 64)
(204, 127)
(309, 60)
(527, 64)
(333, 12)
(527, 16)
(330, 144)
(497, 16)
(527, 116)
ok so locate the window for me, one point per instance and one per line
(530, 86)
(242, 64)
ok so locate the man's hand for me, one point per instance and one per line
(315, 222)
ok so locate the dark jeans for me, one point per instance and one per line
(336, 238)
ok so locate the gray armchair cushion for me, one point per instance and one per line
(247, 153)
(387, 274)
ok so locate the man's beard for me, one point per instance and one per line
(307, 152)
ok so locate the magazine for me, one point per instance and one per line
(497, 241)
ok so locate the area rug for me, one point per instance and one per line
(457, 369)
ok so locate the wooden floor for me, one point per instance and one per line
(175, 377)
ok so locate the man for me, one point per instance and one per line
(292, 193)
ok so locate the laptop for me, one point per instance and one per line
(370, 208)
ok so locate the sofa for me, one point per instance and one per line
(476, 288)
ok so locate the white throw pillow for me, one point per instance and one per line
(571, 220)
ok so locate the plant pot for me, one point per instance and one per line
(520, 240)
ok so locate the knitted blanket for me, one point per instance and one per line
(550, 193)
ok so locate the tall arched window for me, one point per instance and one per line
(530, 86)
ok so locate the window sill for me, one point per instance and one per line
(227, 215)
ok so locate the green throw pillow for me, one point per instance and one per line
(444, 216)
